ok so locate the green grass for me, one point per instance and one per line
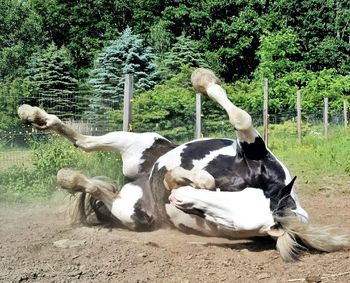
(321, 165)
(15, 157)
(31, 175)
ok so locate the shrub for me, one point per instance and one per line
(38, 182)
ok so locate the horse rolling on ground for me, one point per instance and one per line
(214, 187)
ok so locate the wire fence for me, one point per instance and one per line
(16, 137)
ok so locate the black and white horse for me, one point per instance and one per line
(214, 187)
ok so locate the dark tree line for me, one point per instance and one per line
(292, 42)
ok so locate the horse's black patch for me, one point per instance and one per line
(235, 173)
(194, 211)
(142, 218)
(151, 154)
(199, 149)
(144, 214)
(230, 173)
(256, 150)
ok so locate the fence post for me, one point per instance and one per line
(266, 112)
(345, 114)
(198, 133)
(325, 117)
(299, 114)
(128, 94)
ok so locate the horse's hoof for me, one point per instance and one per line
(33, 115)
(71, 180)
(202, 78)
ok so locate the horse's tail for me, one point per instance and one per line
(87, 210)
(298, 235)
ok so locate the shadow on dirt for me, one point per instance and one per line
(257, 244)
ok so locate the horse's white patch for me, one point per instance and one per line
(123, 206)
(227, 150)
(172, 159)
(132, 156)
(129, 145)
(237, 211)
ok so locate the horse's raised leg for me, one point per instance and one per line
(205, 82)
(139, 151)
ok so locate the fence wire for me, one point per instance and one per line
(16, 137)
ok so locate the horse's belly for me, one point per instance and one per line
(193, 224)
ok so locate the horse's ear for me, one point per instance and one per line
(287, 189)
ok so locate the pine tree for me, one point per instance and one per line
(54, 85)
(184, 52)
(125, 55)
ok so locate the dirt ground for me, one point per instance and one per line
(39, 245)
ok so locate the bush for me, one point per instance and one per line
(38, 182)
(23, 184)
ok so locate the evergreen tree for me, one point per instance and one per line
(184, 52)
(54, 85)
(125, 55)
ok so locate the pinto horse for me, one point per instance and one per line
(233, 188)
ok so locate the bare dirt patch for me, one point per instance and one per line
(39, 245)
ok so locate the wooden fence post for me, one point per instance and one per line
(198, 133)
(345, 114)
(325, 117)
(299, 115)
(266, 112)
(128, 94)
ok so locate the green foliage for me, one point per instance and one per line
(232, 36)
(160, 37)
(228, 32)
(21, 34)
(39, 180)
(11, 94)
(22, 184)
(53, 82)
(125, 55)
(278, 53)
(82, 26)
(167, 109)
(326, 84)
(184, 52)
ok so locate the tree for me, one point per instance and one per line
(54, 85)
(83, 26)
(278, 54)
(322, 27)
(168, 109)
(125, 55)
(233, 36)
(21, 34)
(160, 37)
(184, 52)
